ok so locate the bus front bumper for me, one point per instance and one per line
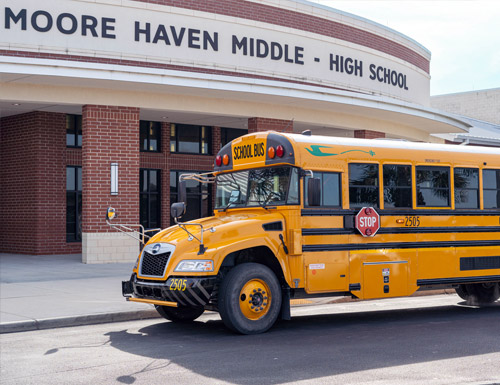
(175, 291)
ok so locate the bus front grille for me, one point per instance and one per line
(153, 265)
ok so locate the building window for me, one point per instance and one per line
(199, 196)
(330, 189)
(229, 134)
(150, 136)
(74, 131)
(466, 188)
(433, 186)
(150, 198)
(73, 204)
(397, 186)
(186, 138)
(363, 185)
(491, 189)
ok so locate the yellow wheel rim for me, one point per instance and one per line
(255, 299)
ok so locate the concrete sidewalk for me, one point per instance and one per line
(42, 292)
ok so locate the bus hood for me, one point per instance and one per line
(220, 230)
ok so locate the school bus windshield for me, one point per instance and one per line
(258, 187)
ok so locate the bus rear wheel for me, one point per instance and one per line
(179, 314)
(250, 299)
(462, 292)
(482, 293)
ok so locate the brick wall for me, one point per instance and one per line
(368, 134)
(265, 124)
(33, 184)
(33, 160)
(110, 135)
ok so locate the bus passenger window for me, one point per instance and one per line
(433, 186)
(363, 185)
(491, 189)
(330, 189)
(397, 186)
(466, 188)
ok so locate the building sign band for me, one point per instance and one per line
(199, 42)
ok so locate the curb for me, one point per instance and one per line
(100, 318)
(90, 319)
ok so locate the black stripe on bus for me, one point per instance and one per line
(397, 245)
(395, 213)
(458, 280)
(327, 231)
(479, 263)
(406, 230)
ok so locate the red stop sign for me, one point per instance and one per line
(367, 221)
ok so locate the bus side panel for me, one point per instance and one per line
(383, 273)
(437, 263)
(327, 271)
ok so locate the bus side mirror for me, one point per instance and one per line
(178, 209)
(110, 213)
(313, 192)
(182, 194)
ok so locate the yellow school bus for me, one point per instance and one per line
(301, 216)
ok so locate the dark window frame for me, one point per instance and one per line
(174, 195)
(491, 189)
(315, 173)
(146, 125)
(224, 131)
(174, 139)
(457, 189)
(148, 193)
(423, 167)
(376, 187)
(398, 187)
(75, 132)
(75, 236)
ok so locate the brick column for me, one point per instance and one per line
(110, 135)
(265, 124)
(33, 181)
(368, 134)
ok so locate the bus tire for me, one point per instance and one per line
(250, 299)
(462, 292)
(482, 293)
(179, 314)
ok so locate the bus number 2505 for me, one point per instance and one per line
(412, 221)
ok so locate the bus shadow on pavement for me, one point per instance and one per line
(316, 346)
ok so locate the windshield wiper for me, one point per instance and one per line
(227, 206)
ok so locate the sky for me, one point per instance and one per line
(463, 36)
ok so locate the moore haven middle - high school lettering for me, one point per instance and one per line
(90, 26)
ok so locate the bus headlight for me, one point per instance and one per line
(195, 265)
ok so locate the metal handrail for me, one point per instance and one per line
(202, 178)
(127, 230)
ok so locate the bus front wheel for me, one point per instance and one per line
(482, 293)
(250, 299)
